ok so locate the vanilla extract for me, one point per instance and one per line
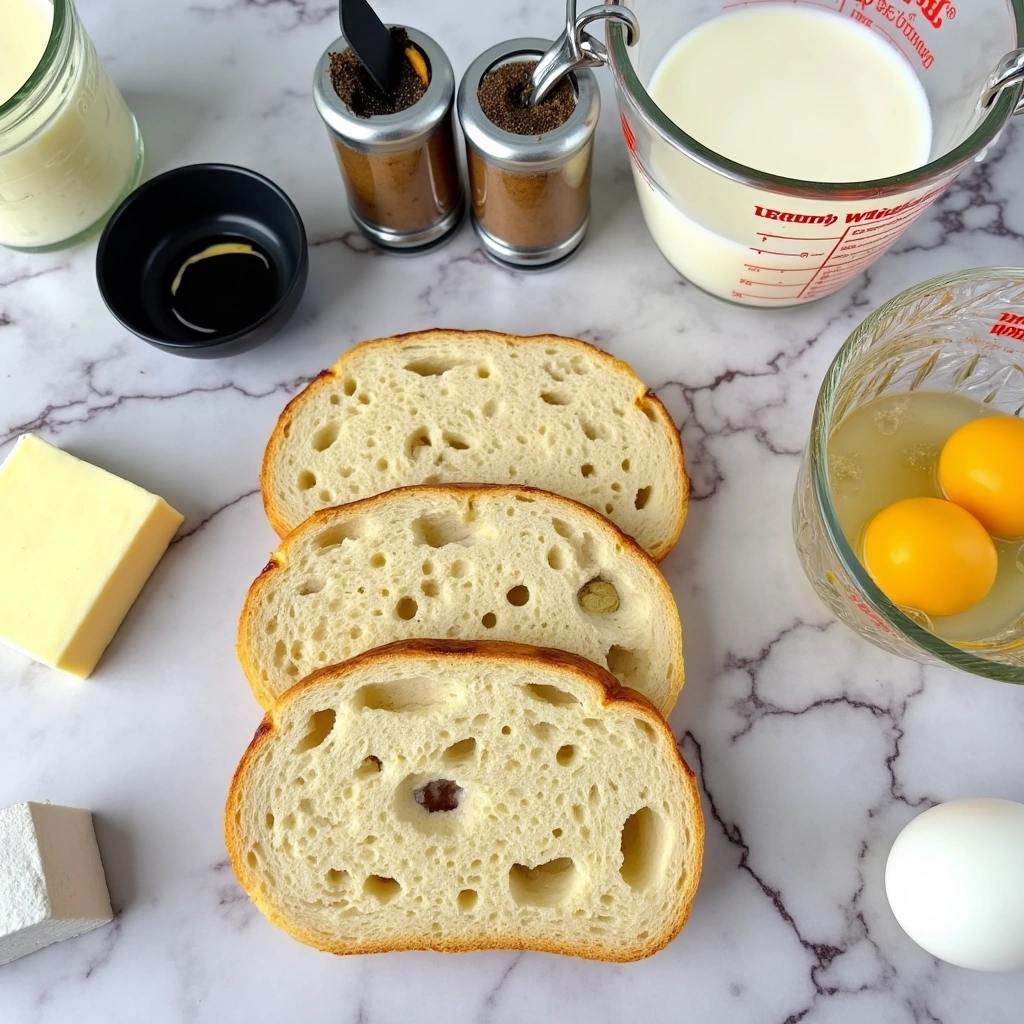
(222, 286)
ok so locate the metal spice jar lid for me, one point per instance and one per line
(387, 132)
(526, 154)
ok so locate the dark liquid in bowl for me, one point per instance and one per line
(219, 286)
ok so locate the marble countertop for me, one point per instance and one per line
(812, 748)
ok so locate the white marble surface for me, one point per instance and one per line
(812, 748)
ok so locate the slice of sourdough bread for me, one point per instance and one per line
(477, 407)
(466, 562)
(451, 796)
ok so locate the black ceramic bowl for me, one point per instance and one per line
(143, 244)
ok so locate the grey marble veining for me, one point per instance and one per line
(812, 749)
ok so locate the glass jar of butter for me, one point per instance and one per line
(70, 149)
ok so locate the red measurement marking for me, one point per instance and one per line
(800, 238)
(768, 284)
(766, 298)
(772, 252)
(779, 270)
(629, 136)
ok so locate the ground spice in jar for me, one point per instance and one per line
(361, 94)
(528, 210)
(501, 96)
(402, 178)
(405, 191)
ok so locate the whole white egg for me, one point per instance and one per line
(955, 881)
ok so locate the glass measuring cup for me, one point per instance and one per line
(960, 334)
(764, 240)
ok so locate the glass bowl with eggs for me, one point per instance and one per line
(909, 507)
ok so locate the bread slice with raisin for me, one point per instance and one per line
(465, 562)
(452, 796)
(477, 407)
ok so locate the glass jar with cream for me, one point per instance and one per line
(69, 146)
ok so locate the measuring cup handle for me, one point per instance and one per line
(611, 12)
(1008, 74)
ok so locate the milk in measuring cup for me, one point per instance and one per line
(794, 91)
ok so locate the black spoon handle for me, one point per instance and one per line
(372, 43)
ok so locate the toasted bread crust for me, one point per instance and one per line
(366, 506)
(647, 400)
(582, 671)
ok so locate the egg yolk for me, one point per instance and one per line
(981, 469)
(929, 554)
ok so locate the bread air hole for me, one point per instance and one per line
(406, 609)
(518, 595)
(566, 755)
(562, 528)
(467, 900)
(459, 752)
(339, 533)
(591, 431)
(317, 730)
(598, 596)
(556, 558)
(378, 561)
(416, 442)
(455, 441)
(311, 586)
(550, 694)
(438, 796)
(429, 588)
(326, 436)
(650, 411)
(555, 397)
(489, 620)
(337, 879)
(349, 387)
(441, 529)
(587, 469)
(307, 480)
(642, 497)
(546, 885)
(403, 695)
(382, 889)
(626, 665)
(646, 729)
(432, 366)
(644, 847)
(368, 767)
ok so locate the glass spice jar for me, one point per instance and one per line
(400, 169)
(70, 149)
(530, 192)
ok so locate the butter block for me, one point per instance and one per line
(51, 879)
(77, 544)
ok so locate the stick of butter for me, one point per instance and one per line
(51, 879)
(76, 546)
